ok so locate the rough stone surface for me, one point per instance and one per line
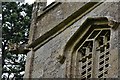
(45, 62)
(55, 16)
(28, 63)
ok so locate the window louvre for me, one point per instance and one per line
(89, 48)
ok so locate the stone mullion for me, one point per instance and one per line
(98, 61)
(104, 41)
(87, 53)
(106, 56)
(94, 58)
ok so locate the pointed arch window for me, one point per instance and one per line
(94, 53)
(87, 53)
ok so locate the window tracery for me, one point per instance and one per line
(96, 45)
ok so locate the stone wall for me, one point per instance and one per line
(54, 16)
(44, 62)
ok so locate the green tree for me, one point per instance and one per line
(16, 18)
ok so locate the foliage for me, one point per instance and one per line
(16, 19)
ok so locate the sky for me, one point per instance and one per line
(32, 1)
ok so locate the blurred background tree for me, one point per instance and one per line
(16, 18)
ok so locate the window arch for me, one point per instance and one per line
(86, 54)
(94, 53)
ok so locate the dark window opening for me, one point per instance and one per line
(100, 76)
(100, 41)
(89, 56)
(89, 69)
(101, 69)
(83, 66)
(89, 76)
(102, 49)
(108, 46)
(106, 72)
(83, 60)
(101, 62)
(83, 72)
(101, 56)
(107, 59)
(90, 63)
(91, 49)
(106, 65)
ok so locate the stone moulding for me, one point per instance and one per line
(69, 53)
(47, 9)
(63, 25)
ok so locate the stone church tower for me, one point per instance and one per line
(74, 40)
